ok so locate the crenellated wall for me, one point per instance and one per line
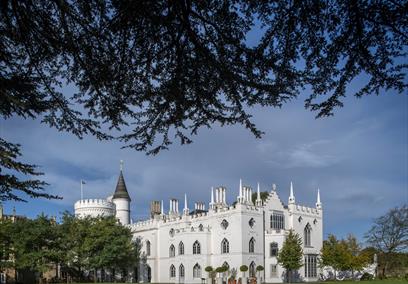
(94, 208)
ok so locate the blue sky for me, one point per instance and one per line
(358, 159)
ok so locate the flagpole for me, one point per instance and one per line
(82, 190)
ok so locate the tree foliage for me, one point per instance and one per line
(389, 233)
(34, 245)
(344, 254)
(10, 184)
(356, 259)
(5, 244)
(290, 255)
(158, 72)
(389, 237)
(264, 196)
(75, 244)
(333, 253)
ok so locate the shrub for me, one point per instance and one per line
(366, 276)
(219, 269)
(243, 268)
(208, 269)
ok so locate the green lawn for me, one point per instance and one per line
(386, 281)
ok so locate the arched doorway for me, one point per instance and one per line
(252, 269)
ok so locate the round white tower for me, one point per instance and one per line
(94, 208)
(122, 199)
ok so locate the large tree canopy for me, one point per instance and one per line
(158, 71)
(389, 233)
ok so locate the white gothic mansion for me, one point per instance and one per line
(179, 244)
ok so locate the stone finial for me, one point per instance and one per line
(291, 196)
(185, 210)
(273, 187)
(212, 198)
(258, 196)
(318, 203)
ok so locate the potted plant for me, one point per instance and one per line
(243, 269)
(209, 270)
(259, 268)
(233, 275)
(220, 277)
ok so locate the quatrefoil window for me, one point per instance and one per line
(224, 224)
(251, 222)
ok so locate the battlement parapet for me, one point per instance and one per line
(199, 215)
(86, 203)
(143, 224)
(308, 210)
(94, 208)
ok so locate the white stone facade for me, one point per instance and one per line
(94, 208)
(179, 245)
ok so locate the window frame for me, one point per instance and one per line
(225, 247)
(273, 247)
(196, 247)
(251, 245)
(181, 250)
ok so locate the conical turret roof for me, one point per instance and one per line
(121, 191)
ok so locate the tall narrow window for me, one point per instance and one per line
(172, 271)
(196, 248)
(172, 251)
(307, 235)
(197, 271)
(148, 248)
(273, 249)
(310, 266)
(181, 271)
(181, 248)
(277, 220)
(224, 246)
(252, 269)
(252, 245)
(274, 270)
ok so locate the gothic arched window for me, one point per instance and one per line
(201, 227)
(252, 269)
(197, 271)
(148, 248)
(181, 271)
(307, 235)
(225, 264)
(181, 248)
(252, 245)
(196, 248)
(172, 271)
(273, 249)
(171, 232)
(251, 222)
(172, 251)
(277, 220)
(224, 246)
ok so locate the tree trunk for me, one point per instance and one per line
(95, 274)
